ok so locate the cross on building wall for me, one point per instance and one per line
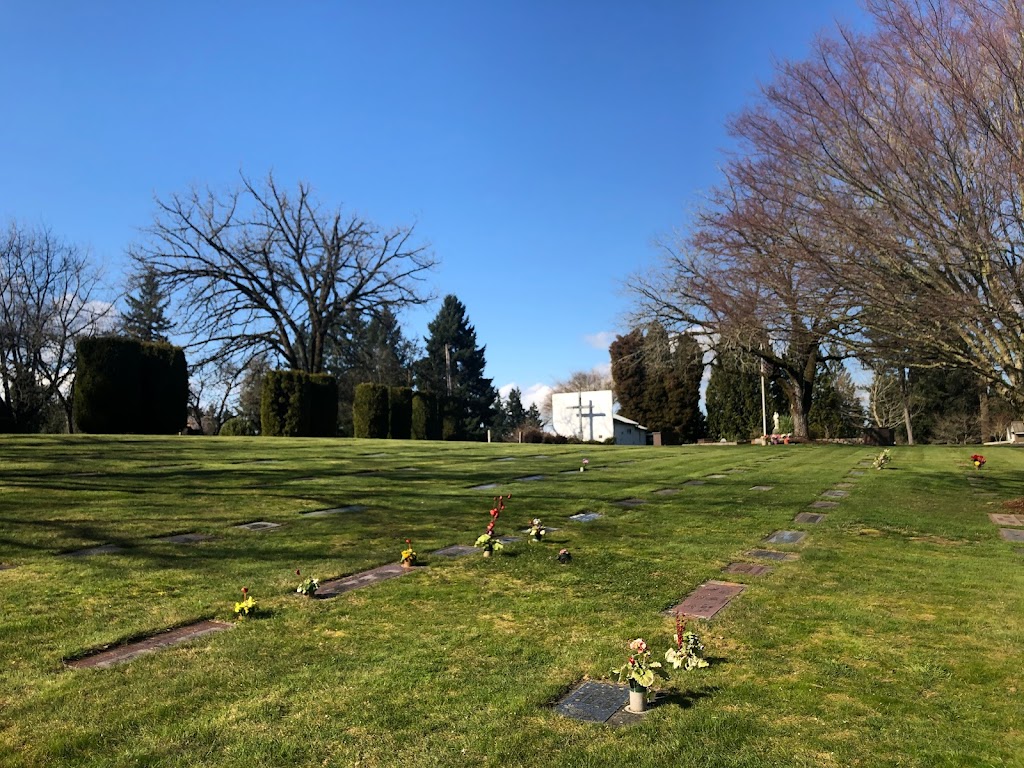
(590, 415)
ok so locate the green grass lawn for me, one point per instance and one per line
(896, 639)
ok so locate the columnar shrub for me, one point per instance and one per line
(129, 386)
(370, 410)
(299, 404)
(283, 408)
(424, 416)
(400, 407)
(323, 405)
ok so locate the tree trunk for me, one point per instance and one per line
(984, 414)
(905, 394)
(799, 394)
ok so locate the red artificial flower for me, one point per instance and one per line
(245, 590)
(407, 541)
(297, 572)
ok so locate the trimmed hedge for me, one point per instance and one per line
(425, 421)
(323, 405)
(127, 386)
(400, 407)
(370, 411)
(299, 404)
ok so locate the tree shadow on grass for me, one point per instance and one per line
(684, 699)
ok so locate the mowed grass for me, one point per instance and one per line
(895, 639)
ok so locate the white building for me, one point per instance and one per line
(589, 416)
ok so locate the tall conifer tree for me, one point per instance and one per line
(454, 370)
(146, 318)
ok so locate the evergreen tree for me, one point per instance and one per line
(146, 317)
(533, 418)
(367, 350)
(657, 380)
(733, 397)
(949, 403)
(453, 368)
(629, 374)
(836, 410)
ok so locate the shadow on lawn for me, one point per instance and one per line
(686, 699)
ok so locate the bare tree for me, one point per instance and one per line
(48, 299)
(258, 270)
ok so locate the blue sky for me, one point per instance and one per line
(539, 147)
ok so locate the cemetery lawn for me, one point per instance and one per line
(896, 638)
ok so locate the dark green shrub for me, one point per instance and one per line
(126, 386)
(323, 405)
(164, 382)
(370, 410)
(400, 407)
(425, 425)
(299, 404)
(283, 408)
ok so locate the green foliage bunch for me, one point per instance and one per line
(237, 426)
(371, 410)
(298, 404)
(127, 386)
(400, 413)
(425, 419)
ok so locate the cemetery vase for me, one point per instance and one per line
(487, 553)
(637, 699)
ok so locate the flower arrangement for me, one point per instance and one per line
(487, 540)
(882, 459)
(247, 607)
(584, 465)
(408, 555)
(564, 557)
(307, 587)
(979, 460)
(639, 671)
(536, 530)
(689, 650)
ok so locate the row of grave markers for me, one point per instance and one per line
(603, 702)
(705, 602)
(332, 588)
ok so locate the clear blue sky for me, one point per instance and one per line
(540, 147)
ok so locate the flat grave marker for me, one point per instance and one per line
(593, 702)
(123, 653)
(529, 478)
(101, 549)
(835, 494)
(1010, 520)
(259, 525)
(786, 537)
(335, 510)
(7, 566)
(768, 554)
(666, 491)
(336, 587)
(857, 473)
(506, 458)
(824, 504)
(695, 482)
(484, 487)
(717, 476)
(456, 550)
(762, 487)
(542, 456)
(707, 600)
(186, 538)
(630, 502)
(585, 517)
(845, 485)
(809, 517)
(1011, 534)
(749, 569)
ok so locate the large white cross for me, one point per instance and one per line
(590, 415)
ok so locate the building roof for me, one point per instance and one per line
(632, 423)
